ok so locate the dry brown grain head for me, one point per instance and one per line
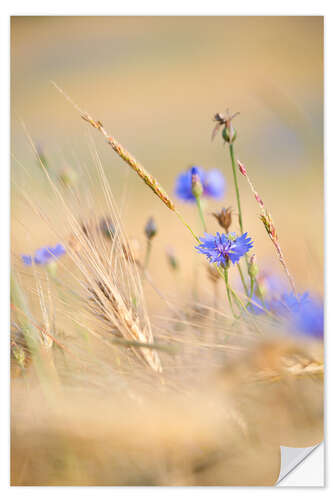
(20, 353)
(111, 287)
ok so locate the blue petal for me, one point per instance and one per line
(27, 260)
(304, 314)
(58, 250)
(214, 184)
(42, 255)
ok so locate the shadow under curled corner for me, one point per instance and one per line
(291, 458)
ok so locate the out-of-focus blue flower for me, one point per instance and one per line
(256, 306)
(212, 181)
(223, 248)
(271, 285)
(44, 255)
(304, 314)
(27, 260)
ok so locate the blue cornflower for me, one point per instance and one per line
(212, 181)
(304, 314)
(223, 248)
(44, 255)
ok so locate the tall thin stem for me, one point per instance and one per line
(226, 279)
(234, 171)
(201, 215)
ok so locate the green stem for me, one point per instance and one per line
(180, 217)
(228, 291)
(202, 218)
(234, 171)
(252, 287)
(232, 291)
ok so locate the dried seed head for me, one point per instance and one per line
(151, 228)
(269, 225)
(228, 133)
(20, 353)
(242, 169)
(224, 218)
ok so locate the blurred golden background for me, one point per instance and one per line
(155, 83)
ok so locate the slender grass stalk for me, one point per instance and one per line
(180, 217)
(266, 219)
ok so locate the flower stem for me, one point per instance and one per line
(201, 215)
(234, 171)
(252, 286)
(240, 217)
(226, 279)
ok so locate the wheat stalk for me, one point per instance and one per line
(124, 154)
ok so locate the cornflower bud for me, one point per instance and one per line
(150, 228)
(253, 268)
(229, 134)
(197, 188)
